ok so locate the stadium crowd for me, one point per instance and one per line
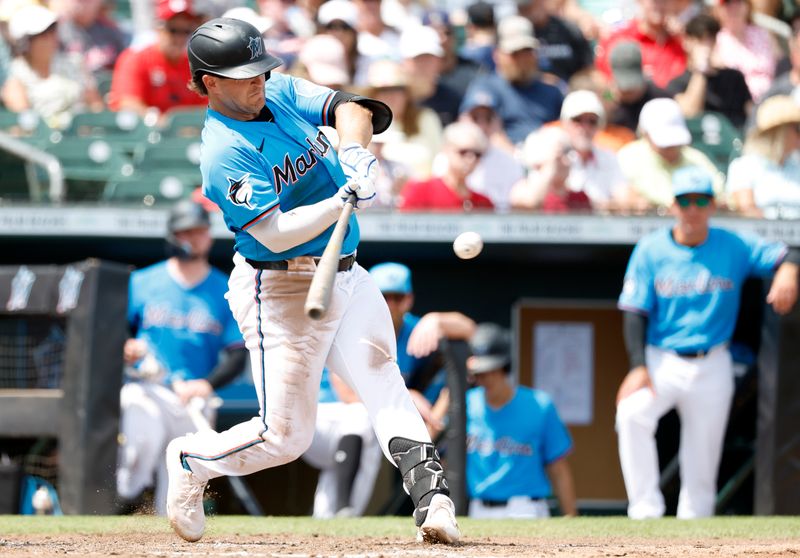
(555, 106)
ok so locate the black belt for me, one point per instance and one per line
(345, 264)
(694, 354)
(503, 503)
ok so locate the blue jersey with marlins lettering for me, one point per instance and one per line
(252, 168)
(691, 293)
(508, 449)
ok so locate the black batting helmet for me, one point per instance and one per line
(186, 215)
(230, 48)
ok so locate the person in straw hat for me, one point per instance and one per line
(765, 180)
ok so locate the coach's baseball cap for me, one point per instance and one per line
(392, 277)
(187, 214)
(692, 180)
(491, 349)
(663, 122)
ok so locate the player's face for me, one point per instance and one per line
(199, 238)
(693, 212)
(241, 99)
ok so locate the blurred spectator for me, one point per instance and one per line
(593, 170)
(290, 26)
(563, 50)
(392, 174)
(705, 85)
(464, 145)
(376, 40)
(611, 136)
(481, 34)
(584, 14)
(322, 60)
(155, 77)
(663, 57)
(261, 23)
(785, 83)
(515, 438)
(649, 162)
(498, 170)
(415, 135)
(743, 45)
(630, 89)
(86, 32)
(421, 55)
(39, 77)
(339, 18)
(765, 180)
(455, 73)
(546, 155)
(525, 101)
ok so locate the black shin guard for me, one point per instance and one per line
(348, 459)
(423, 475)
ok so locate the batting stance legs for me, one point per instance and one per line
(701, 390)
(288, 352)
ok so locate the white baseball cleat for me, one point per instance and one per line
(184, 497)
(440, 525)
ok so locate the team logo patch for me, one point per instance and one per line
(256, 47)
(240, 191)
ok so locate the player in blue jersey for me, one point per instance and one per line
(281, 186)
(185, 345)
(516, 442)
(680, 300)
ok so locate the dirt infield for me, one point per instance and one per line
(309, 546)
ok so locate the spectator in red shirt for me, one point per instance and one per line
(464, 145)
(156, 76)
(663, 57)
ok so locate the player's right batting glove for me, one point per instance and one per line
(361, 169)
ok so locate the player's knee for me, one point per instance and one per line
(631, 414)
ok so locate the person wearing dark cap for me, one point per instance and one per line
(156, 76)
(630, 89)
(662, 53)
(481, 34)
(516, 442)
(184, 345)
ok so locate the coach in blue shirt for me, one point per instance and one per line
(516, 442)
(680, 300)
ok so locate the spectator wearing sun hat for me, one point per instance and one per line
(339, 18)
(525, 101)
(649, 162)
(765, 180)
(154, 77)
(39, 78)
(323, 59)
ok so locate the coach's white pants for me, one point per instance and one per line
(335, 420)
(151, 416)
(701, 391)
(518, 507)
(288, 350)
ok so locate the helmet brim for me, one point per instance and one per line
(247, 71)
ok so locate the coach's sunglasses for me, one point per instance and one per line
(699, 201)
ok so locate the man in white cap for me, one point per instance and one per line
(649, 162)
(593, 170)
(525, 101)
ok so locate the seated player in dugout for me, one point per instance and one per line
(516, 443)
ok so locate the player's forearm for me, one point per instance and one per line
(634, 330)
(353, 124)
(455, 325)
(563, 486)
(281, 231)
(230, 365)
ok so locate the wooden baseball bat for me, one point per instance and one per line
(319, 292)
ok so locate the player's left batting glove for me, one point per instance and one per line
(361, 169)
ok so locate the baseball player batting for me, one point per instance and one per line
(280, 186)
(680, 300)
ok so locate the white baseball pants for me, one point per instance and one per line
(288, 350)
(151, 416)
(701, 391)
(335, 420)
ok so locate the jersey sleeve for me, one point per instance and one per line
(134, 305)
(765, 255)
(638, 289)
(312, 101)
(556, 441)
(242, 187)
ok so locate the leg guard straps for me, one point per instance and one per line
(423, 475)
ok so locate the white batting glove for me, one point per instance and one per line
(361, 169)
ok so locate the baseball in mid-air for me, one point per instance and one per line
(467, 245)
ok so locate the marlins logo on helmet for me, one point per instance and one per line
(240, 191)
(256, 47)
